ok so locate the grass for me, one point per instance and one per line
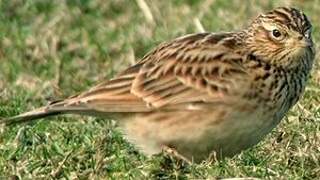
(49, 47)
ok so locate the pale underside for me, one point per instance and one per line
(199, 134)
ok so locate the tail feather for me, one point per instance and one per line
(73, 105)
(54, 108)
(29, 116)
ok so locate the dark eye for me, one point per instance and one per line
(276, 33)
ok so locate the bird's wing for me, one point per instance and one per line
(195, 68)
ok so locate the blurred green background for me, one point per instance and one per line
(53, 49)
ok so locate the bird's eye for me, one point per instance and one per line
(276, 33)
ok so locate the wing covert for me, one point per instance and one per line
(195, 68)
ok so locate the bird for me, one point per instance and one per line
(204, 94)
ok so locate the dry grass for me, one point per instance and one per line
(48, 47)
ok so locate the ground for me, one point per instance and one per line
(53, 49)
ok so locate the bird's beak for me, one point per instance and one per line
(306, 42)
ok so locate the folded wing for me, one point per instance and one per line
(191, 69)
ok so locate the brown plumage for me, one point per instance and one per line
(207, 92)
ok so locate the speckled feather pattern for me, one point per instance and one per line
(207, 92)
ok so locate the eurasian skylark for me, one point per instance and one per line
(207, 92)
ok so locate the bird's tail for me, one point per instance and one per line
(55, 108)
(29, 116)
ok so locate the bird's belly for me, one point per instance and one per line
(196, 135)
(231, 137)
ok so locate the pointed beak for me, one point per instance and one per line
(306, 42)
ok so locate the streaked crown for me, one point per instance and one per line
(290, 17)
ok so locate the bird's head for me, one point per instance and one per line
(282, 37)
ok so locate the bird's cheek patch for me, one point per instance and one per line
(291, 43)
